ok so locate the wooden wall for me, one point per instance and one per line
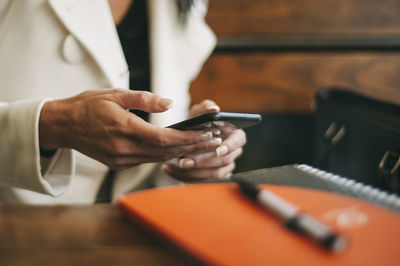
(273, 54)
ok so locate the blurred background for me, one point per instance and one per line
(272, 56)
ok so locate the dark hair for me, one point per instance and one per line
(184, 7)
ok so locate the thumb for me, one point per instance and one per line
(142, 100)
(206, 106)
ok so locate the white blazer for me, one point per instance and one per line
(59, 48)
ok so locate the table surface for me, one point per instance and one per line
(80, 235)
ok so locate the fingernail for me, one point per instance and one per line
(186, 163)
(206, 136)
(221, 150)
(227, 176)
(207, 124)
(216, 141)
(165, 103)
(216, 132)
(213, 108)
(219, 123)
(164, 168)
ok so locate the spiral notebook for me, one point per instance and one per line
(219, 226)
(302, 175)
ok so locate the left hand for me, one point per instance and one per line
(217, 163)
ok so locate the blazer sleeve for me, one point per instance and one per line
(20, 162)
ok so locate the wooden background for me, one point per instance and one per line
(272, 55)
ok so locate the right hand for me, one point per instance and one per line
(218, 163)
(98, 124)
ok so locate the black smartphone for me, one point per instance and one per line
(239, 120)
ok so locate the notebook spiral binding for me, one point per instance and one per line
(357, 189)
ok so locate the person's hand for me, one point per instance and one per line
(98, 124)
(218, 163)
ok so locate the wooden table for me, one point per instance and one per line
(80, 235)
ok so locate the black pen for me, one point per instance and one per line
(289, 214)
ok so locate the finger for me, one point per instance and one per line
(206, 106)
(140, 100)
(207, 160)
(235, 140)
(201, 173)
(216, 132)
(226, 128)
(179, 151)
(168, 137)
(128, 148)
(208, 127)
(184, 163)
(142, 131)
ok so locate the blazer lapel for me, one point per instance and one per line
(91, 23)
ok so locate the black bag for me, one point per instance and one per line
(358, 137)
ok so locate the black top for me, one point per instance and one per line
(133, 34)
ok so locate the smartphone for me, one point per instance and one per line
(239, 120)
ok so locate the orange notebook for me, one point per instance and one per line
(218, 225)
